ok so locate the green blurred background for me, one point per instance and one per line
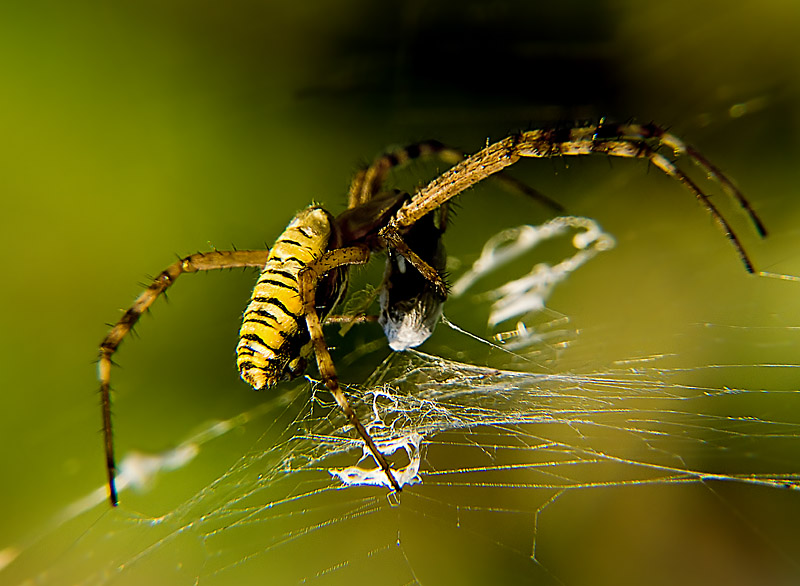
(132, 132)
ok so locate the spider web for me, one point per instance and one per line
(511, 476)
(501, 449)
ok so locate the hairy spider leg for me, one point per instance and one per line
(679, 148)
(394, 240)
(309, 278)
(194, 263)
(368, 182)
(716, 175)
(629, 141)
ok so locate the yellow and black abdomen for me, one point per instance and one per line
(274, 339)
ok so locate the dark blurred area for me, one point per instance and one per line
(522, 56)
(474, 56)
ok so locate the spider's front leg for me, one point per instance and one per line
(308, 279)
(368, 182)
(393, 239)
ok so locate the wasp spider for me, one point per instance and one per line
(304, 275)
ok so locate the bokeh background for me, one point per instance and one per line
(132, 132)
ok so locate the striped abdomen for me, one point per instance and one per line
(274, 340)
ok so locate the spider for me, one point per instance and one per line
(304, 275)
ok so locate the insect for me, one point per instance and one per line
(304, 275)
(410, 307)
